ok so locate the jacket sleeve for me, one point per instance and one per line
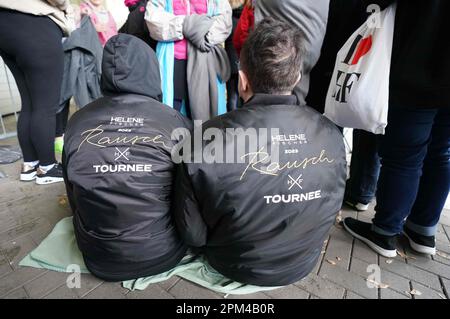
(69, 186)
(222, 25)
(243, 29)
(187, 215)
(163, 25)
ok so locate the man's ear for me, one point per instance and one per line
(243, 81)
(299, 78)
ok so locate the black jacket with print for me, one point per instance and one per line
(118, 168)
(260, 223)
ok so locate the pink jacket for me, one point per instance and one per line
(180, 7)
(111, 27)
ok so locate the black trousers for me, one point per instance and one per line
(31, 48)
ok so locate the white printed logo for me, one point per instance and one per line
(122, 154)
(126, 121)
(295, 181)
(291, 139)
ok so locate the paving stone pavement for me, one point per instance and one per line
(28, 213)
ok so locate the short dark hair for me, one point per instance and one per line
(272, 57)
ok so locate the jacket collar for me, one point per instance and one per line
(269, 99)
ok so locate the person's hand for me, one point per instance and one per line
(86, 11)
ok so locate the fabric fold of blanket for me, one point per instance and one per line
(59, 252)
(205, 66)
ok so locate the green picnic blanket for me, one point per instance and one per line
(59, 252)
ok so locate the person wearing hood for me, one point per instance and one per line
(259, 223)
(118, 170)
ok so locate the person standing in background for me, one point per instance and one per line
(245, 24)
(171, 23)
(232, 84)
(415, 150)
(101, 18)
(31, 46)
(311, 17)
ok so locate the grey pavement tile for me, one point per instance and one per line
(88, 283)
(321, 287)
(16, 250)
(339, 248)
(362, 252)
(394, 281)
(391, 294)
(257, 295)
(442, 236)
(289, 292)
(409, 271)
(5, 267)
(152, 292)
(352, 295)
(432, 266)
(348, 280)
(426, 293)
(45, 284)
(107, 291)
(17, 294)
(186, 290)
(446, 286)
(18, 278)
(62, 292)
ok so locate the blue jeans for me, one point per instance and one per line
(364, 168)
(415, 174)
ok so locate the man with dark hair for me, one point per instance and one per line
(311, 17)
(263, 222)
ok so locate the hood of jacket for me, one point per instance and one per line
(130, 66)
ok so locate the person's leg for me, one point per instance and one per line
(435, 182)
(402, 149)
(232, 93)
(24, 121)
(42, 65)
(364, 170)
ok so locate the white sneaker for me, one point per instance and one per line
(28, 173)
(357, 206)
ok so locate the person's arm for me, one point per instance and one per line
(243, 29)
(222, 25)
(186, 211)
(162, 25)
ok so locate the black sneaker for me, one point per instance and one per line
(54, 175)
(383, 245)
(28, 173)
(420, 243)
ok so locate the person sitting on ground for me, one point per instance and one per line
(259, 223)
(118, 169)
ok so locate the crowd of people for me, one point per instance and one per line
(250, 78)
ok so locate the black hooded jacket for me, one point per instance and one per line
(118, 168)
(257, 223)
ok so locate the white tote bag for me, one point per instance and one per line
(358, 96)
